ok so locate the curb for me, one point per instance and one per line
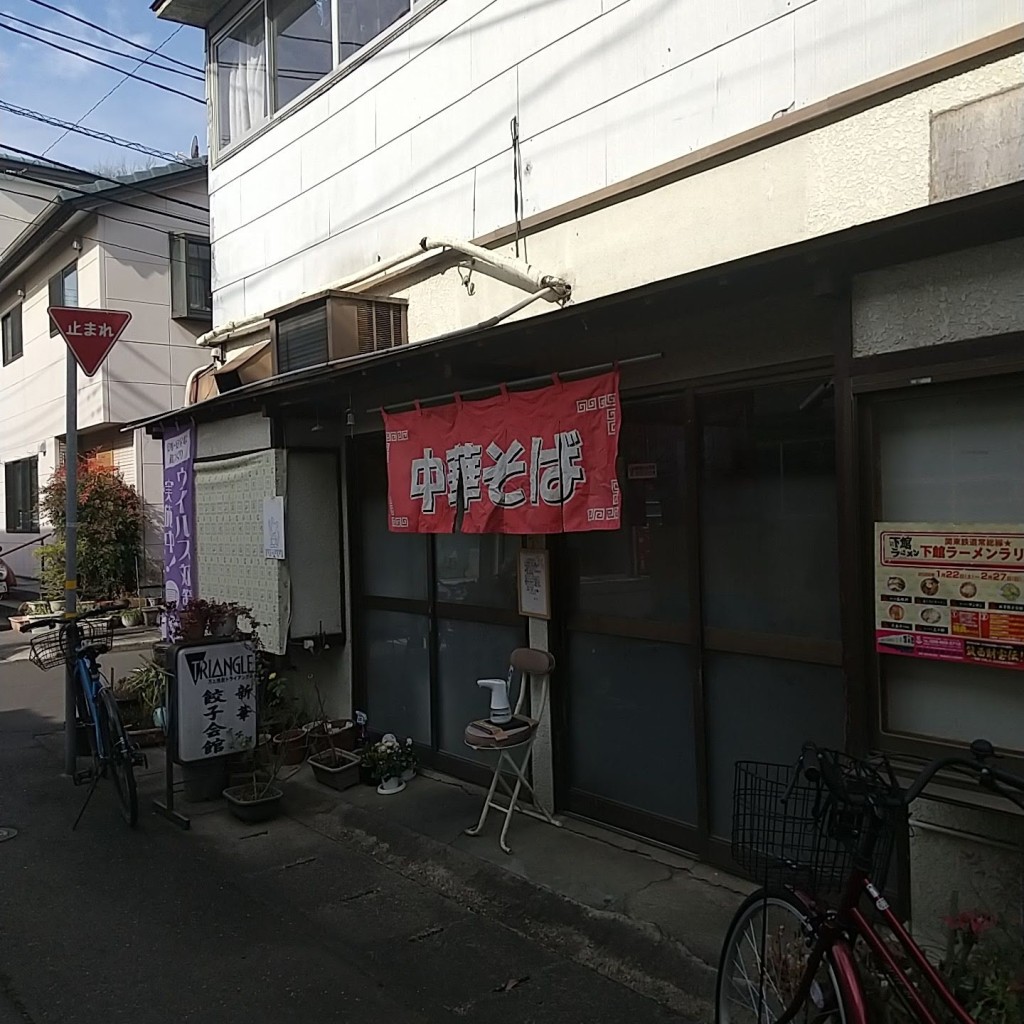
(633, 953)
(20, 652)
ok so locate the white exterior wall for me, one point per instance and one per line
(416, 141)
(120, 266)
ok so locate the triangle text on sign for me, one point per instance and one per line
(89, 333)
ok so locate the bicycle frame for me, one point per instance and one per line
(851, 921)
(88, 673)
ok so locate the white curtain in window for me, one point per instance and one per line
(246, 66)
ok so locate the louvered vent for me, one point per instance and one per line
(381, 325)
(302, 339)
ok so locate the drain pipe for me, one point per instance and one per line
(507, 268)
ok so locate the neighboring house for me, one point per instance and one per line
(803, 211)
(81, 240)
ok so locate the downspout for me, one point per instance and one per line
(513, 271)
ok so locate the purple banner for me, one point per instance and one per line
(179, 517)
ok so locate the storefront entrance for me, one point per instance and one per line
(431, 615)
(707, 629)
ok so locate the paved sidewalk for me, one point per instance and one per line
(640, 915)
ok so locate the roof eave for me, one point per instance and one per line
(34, 237)
(198, 13)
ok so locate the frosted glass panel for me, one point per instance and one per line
(393, 564)
(468, 651)
(398, 673)
(955, 702)
(477, 569)
(953, 458)
(640, 570)
(631, 720)
(770, 544)
(762, 709)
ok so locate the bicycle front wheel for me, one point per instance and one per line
(764, 957)
(119, 757)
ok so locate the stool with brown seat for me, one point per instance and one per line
(514, 742)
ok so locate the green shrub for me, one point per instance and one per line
(110, 525)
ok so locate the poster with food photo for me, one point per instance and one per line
(950, 592)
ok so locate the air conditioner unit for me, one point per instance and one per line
(335, 325)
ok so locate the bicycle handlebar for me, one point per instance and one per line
(63, 620)
(998, 781)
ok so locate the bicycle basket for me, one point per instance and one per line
(51, 648)
(803, 837)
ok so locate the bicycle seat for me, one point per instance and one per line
(93, 650)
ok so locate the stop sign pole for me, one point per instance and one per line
(90, 335)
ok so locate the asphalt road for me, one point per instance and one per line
(229, 923)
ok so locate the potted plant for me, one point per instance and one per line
(142, 694)
(386, 762)
(258, 797)
(332, 765)
(131, 618)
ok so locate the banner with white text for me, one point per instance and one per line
(527, 462)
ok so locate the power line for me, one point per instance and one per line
(103, 177)
(102, 198)
(113, 35)
(92, 133)
(110, 92)
(100, 241)
(96, 46)
(106, 216)
(102, 64)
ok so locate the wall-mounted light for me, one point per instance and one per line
(21, 293)
(77, 245)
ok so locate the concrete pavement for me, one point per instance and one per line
(288, 921)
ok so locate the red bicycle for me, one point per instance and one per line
(828, 826)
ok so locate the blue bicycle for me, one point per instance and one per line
(80, 641)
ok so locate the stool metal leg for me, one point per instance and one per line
(517, 768)
(488, 801)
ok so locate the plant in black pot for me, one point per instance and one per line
(259, 797)
(332, 765)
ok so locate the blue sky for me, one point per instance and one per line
(36, 76)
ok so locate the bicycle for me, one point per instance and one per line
(80, 642)
(825, 828)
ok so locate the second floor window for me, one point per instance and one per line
(63, 291)
(276, 49)
(10, 331)
(190, 278)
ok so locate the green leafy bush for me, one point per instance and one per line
(110, 534)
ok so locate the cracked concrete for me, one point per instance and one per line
(650, 918)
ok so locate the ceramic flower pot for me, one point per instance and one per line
(338, 769)
(295, 743)
(250, 807)
(391, 786)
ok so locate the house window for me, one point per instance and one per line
(360, 21)
(191, 292)
(10, 329)
(951, 456)
(63, 290)
(21, 491)
(301, 44)
(277, 49)
(240, 62)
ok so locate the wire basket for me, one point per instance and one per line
(51, 648)
(790, 831)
